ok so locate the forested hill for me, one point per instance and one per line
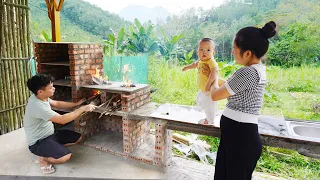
(80, 21)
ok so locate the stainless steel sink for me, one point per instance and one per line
(307, 130)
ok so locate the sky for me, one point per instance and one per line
(173, 6)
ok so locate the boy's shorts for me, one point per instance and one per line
(52, 146)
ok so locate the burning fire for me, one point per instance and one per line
(96, 92)
(126, 79)
(97, 73)
(100, 79)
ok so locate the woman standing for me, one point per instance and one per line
(240, 145)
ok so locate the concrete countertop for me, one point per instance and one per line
(272, 129)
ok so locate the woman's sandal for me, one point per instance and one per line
(47, 169)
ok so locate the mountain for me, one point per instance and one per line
(80, 21)
(144, 13)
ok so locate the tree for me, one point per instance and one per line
(168, 46)
(141, 38)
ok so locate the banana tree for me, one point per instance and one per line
(116, 43)
(188, 57)
(168, 46)
(141, 38)
(45, 37)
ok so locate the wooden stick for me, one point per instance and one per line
(97, 107)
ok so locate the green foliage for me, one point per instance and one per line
(299, 79)
(226, 69)
(92, 18)
(188, 58)
(70, 31)
(122, 43)
(175, 86)
(141, 38)
(288, 163)
(45, 37)
(298, 26)
(298, 45)
(168, 46)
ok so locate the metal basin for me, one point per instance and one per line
(304, 130)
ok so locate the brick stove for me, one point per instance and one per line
(72, 65)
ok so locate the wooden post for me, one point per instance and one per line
(54, 16)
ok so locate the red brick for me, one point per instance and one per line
(89, 61)
(71, 57)
(75, 78)
(88, 51)
(93, 67)
(91, 71)
(73, 73)
(99, 60)
(75, 83)
(135, 100)
(79, 62)
(74, 68)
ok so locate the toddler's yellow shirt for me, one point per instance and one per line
(204, 70)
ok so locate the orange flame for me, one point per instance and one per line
(97, 73)
(96, 92)
(126, 79)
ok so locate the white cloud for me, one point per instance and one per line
(173, 6)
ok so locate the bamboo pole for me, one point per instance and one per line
(11, 66)
(21, 97)
(28, 45)
(6, 92)
(16, 78)
(17, 62)
(19, 65)
(28, 35)
(22, 32)
(1, 82)
(6, 47)
(26, 50)
(1, 28)
(8, 68)
(22, 63)
(2, 114)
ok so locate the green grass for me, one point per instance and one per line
(288, 163)
(292, 93)
(296, 105)
(295, 79)
(173, 85)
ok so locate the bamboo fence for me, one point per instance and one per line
(15, 51)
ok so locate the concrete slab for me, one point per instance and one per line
(87, 163)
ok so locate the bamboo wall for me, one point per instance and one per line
(14, 67)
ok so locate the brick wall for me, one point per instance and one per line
(163, 144)
(135, 133)
(112, 123)
(85, 60)
(135, 100)
(87, 124)
(48, 52)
